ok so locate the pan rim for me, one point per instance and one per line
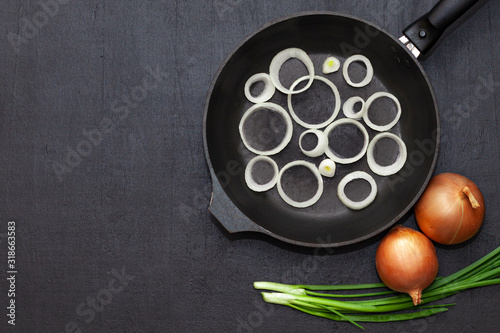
(403, 48)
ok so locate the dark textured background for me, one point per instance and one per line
(139, 200)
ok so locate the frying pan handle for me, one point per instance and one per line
(425, 32)
(231, 218)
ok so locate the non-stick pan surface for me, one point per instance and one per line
(328, 222)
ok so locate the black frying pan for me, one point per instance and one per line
(327, 223)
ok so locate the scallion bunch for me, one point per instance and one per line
(380, 306)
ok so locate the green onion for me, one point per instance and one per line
(314, 299)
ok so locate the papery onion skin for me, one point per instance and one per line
(445, 212)
(406, 261)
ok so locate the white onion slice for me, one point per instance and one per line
(331, 65)
(357, 205)
(251, 183)
(320, 146)
(275, 108)
(389, 169)
(327, 168)
(280, 59)
(369, 70)
(369, 101)
(348, 108)
(266, 94)
(342, 160)
(334, 113)
(317, 195)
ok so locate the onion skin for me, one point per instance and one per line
(451, 209)
(406, 261)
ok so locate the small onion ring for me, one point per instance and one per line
(251, 183)
(280, 59)
(335, 111)
(320, 146)
(327, 68)
(286, 118)
(301, 204)
(342, 160)
(266, 94)
(348, 108)
(327, 168)
(369, 101)
(389, 169)
(357, 205)
(369, 70)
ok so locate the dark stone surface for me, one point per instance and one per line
(138, 200)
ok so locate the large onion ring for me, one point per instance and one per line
(348, 108)
(334, 113)
(266, 94)
(273, 107)
(345, 121)
(251, 183)
(301, 204)
(389, 169)
(320, 146)
(357, 205)
(369, 70)
(369, 101)
(280, 59)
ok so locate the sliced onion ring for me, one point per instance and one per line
(266, 94)
(334, 113)
(348, 108)
(369, 70)
(327, 168)
(320, 146)
(342, 160)
(280, 59)
(331, 65)
(357, 205)
(251, 183)
(317, 195)
(275, 108)
(369, 101)
(389, 169)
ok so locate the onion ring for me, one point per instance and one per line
(335, 111)
(266, 94)
(369, 101)
(288, 122)
(320, 146)
(348, 160)
(331, 65)
(369, 70)
(251, 183)
(301, 204)
(390, 169)
(280, 59)
(348, 108)
(327, 168)
(357, 205)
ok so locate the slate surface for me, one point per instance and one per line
(131, 78)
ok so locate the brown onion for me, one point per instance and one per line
(406, 261)
(451, 209)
